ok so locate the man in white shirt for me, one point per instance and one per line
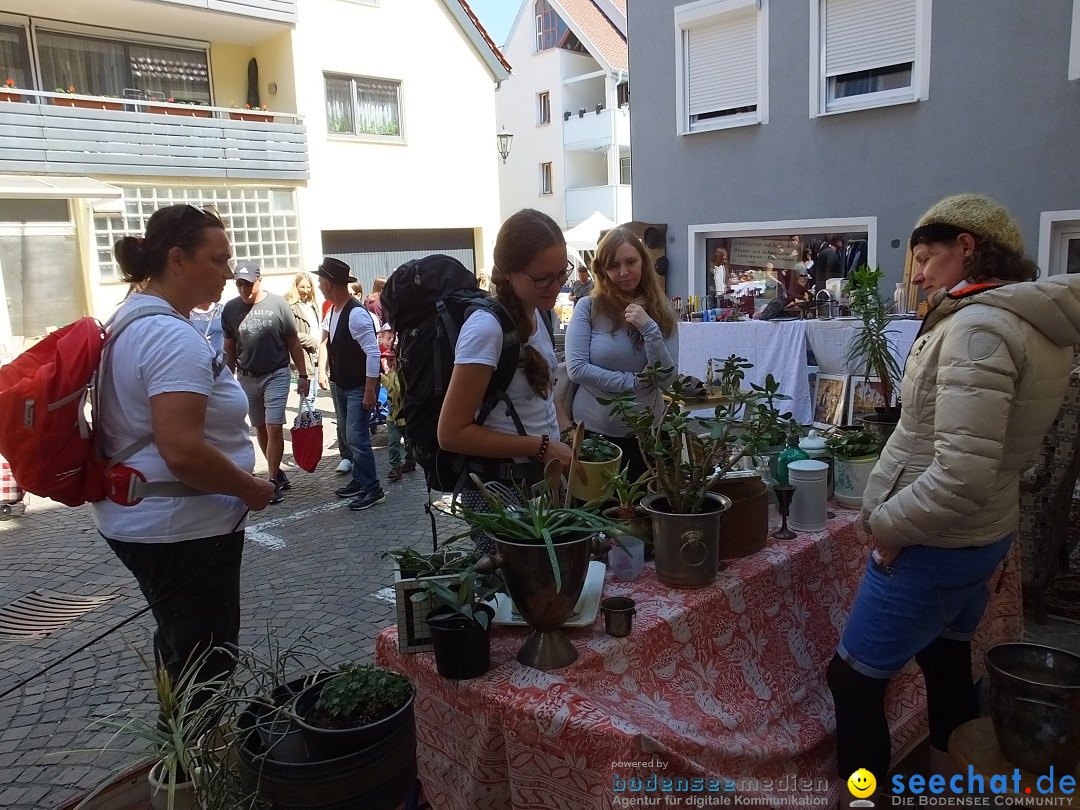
(350, 357)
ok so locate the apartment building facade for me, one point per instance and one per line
(313, 128)
(568, 106)
(773, 122)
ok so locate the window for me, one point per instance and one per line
(15, 56)
(104, 67)
(1074, 43)
(552, 32)
(546, 183)
(869, 53)
(366, 107)
(261, 222)
(721, 64)
(624, 170)
(543, 108)
(622, 91)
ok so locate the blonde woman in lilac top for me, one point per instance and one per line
(626, 324)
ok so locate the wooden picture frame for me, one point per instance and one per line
(864, 394)
(830, 398)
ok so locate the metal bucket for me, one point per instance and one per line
(687, 547)
(1035, 705)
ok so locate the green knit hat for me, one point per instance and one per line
(979, 215)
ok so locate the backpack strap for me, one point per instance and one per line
(138, 488)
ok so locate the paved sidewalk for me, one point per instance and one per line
(309, 565)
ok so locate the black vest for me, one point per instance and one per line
(348, 362)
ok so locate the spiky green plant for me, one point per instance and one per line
(873, 349)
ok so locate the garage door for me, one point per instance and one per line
(379, 253)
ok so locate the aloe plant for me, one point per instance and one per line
(464, 598)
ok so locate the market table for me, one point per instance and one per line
(831, 340)
(724, 682)
(774, 347)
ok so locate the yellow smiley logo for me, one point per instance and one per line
(861, 783)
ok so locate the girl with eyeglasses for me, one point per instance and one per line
(529, 272)
(626, 324)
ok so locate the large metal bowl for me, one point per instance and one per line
(1035, 705)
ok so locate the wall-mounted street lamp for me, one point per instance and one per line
(504, 139)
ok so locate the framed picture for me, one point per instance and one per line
(864, 394)
(829, 398)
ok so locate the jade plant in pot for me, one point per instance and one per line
(628, 512)
(686, 456)
(855, 452)
(873, 350)
(460, 624)
(542, 551)
(597, 459)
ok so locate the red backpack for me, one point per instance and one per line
(44, 433)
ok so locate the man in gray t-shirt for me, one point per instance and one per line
(260, 337)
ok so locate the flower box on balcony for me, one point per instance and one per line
(251, 116)
(7, 96)
(186, 111)
(88, 104)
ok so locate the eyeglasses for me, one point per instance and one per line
(547, 281)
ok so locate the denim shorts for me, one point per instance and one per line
(267, 396)
(925, 593)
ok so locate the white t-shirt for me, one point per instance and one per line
(155, 355)
(480, 341)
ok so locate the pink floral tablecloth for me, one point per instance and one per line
(723, 684)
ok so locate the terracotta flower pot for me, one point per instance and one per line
(7, 95)
(251, 116)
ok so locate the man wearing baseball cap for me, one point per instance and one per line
(260, 337)
(352, 362)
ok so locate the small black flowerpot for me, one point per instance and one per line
(462, 647)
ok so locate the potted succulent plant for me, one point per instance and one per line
(855, 452)
(460, 625)
(628, 511)
(873, 350)
(687, 456)
(411, 600)
(597, 460)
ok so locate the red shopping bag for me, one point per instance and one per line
(307, 438)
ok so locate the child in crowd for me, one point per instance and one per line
(400, 463)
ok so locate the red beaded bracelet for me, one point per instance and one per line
(545, 440)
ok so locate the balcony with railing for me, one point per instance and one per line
(597, 128)
(613, 201)
(277, 10)
(63, 133)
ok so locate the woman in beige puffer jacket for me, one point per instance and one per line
(982, 384)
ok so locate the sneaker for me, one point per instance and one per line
(282, 481)
(367, 500)
(278, 497)
(408, 466)
(344, 467)
(394, 474)
(350, 491)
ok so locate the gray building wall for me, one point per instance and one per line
(1001, 119)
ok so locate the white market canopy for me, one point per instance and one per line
(585, 235)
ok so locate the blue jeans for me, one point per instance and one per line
(927, 592)
(349, 405)
(339, 419)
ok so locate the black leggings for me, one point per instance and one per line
(862, 732)
(196, 587)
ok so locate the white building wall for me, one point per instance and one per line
(516, 102)
(444, 174)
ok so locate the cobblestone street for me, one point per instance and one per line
(309, 565)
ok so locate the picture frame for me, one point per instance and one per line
(864, 394)
(830, 398)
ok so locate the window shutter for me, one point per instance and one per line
(867, 34)
(722, 63)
